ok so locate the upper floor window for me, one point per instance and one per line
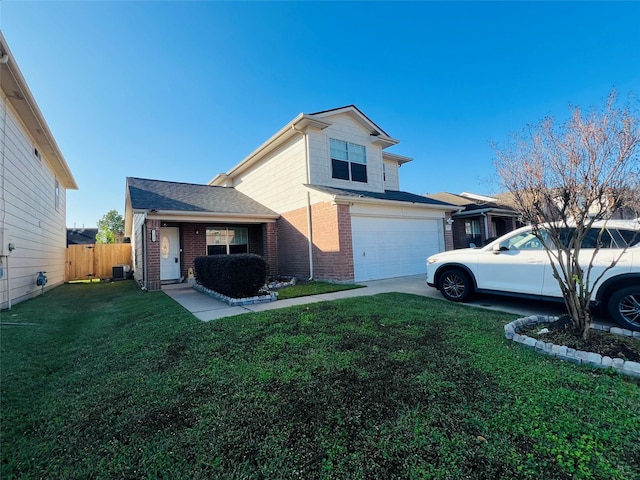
(348, 161)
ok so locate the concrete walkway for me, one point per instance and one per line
(207, 308)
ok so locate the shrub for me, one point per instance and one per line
(237, 276)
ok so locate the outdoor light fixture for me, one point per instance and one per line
(153, 235)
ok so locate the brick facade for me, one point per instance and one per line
(448, 232)
(153, 255)
(293, 247)
(193, 243)
(332, 247)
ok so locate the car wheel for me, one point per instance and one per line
(624, 307)
(455, 285)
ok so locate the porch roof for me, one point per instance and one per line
(159, 195)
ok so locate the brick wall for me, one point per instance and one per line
(270, 246)
(194, 244)
(332, 242)
(153, 255)
(293, 247)
(332, 247)
(448, 234)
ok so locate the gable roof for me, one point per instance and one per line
(21, 99)
(364, 120)
(346, 194)
(472, 204)
(81, 236)
(190, 202)
(297, 126)
(160, 195)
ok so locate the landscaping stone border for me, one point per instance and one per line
(237, 302)
(572, 355)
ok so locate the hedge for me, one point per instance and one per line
(236, 276)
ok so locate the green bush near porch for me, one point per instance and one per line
(238, 275)
(106, 381)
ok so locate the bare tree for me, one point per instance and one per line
(575, 177)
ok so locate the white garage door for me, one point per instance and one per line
(386, 248)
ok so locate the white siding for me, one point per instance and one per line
(276, 181)
(137, 247)
(391, 177)
(28, 213)
(344, 128)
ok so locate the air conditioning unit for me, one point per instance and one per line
(120, 272)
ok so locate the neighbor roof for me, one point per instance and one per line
(388, 195)
(160, 195)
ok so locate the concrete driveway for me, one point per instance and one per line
(207, 308)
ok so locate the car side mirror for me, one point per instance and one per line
(497, 248)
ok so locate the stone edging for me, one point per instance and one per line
(237, 302)
(570, 354)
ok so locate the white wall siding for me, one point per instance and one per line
(391, 177)
(276, 181)
(137, 247)
(28, 212)
(344, 128)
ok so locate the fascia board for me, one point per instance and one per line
(339, 199)
(19, 96)
(173, 215)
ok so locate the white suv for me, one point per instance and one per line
(516, 264)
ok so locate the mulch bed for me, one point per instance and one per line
(606, 344)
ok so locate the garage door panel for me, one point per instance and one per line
(385, 247)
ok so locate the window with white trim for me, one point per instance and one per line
(226, 240)
(348, 161)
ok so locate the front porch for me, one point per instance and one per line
(170, 247)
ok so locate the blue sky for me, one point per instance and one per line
(185, 90)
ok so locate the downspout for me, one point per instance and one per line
(144, 252)
(309, 217)
(4, 59)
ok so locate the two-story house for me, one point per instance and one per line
(320, 199)
(34, 178)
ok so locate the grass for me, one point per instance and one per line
(313, 288)
(104, 381)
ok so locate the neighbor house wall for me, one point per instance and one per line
(32, 215)
(137, 247)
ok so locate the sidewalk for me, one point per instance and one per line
(207, 308)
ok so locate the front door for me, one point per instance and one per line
(169, 253)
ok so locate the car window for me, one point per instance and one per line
(594, 236)
(630, 237)
(522, 241)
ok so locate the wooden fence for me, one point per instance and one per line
(95, 261)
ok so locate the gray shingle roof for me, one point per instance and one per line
(393, 195)
(148, 194)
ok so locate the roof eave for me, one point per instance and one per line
(209, 216)
(19, 96)
(346, 199)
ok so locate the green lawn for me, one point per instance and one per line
(313, 288)
(104, 381)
